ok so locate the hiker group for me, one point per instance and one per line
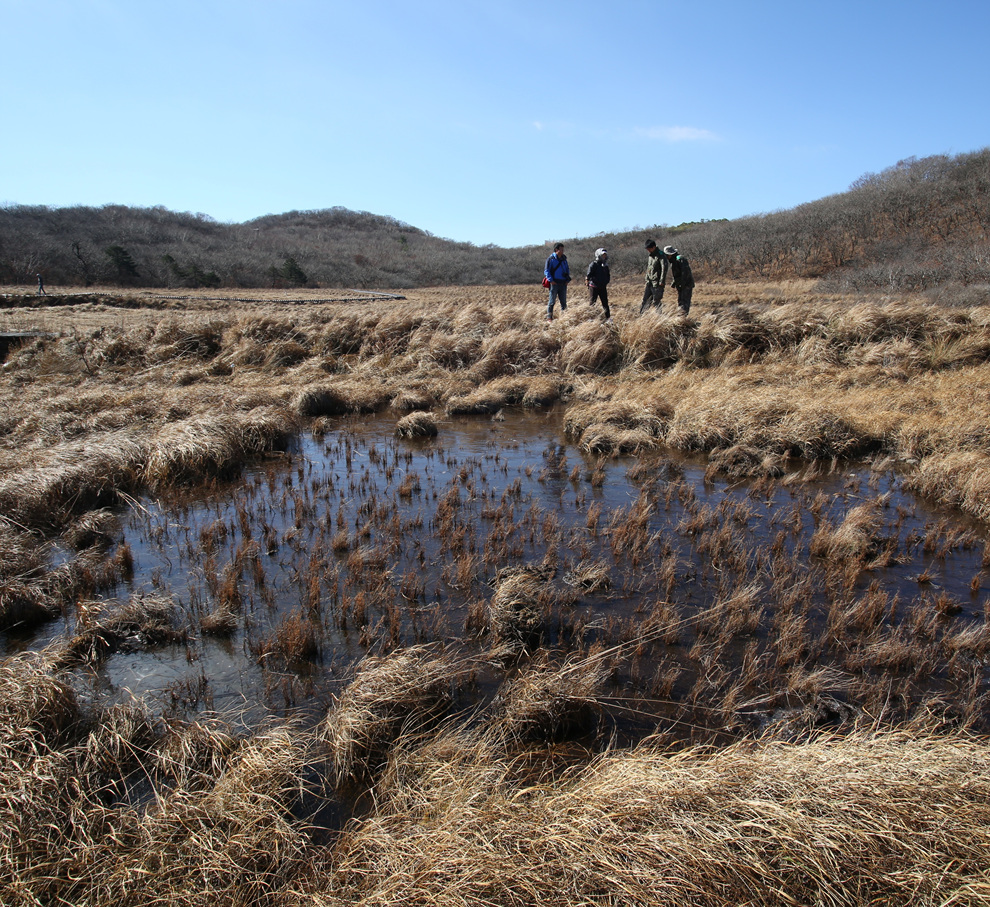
(557, 274)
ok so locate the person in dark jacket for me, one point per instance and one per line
(558, 272)
(597, 280)
(681, 278)
(41, 286)
(656, 277)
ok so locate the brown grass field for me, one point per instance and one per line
(793, 733)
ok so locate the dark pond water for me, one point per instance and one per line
(354, 542)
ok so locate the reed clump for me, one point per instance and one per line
(198, 448)
(232, 842)
(855, 538)
(390, 696)
(489, 398)
(37, 706)
(417, 425)
(616, 427)
(591, 348)
(144, 621)
(516, 608)
(551, 702)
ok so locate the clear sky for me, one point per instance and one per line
(505, 122)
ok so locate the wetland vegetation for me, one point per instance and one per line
(428, 601)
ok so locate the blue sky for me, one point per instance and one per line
(499, 122)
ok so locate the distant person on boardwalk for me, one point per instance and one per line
(681, 278)
(41, 286)
(656, 277)
(558, 273)
(597, 280)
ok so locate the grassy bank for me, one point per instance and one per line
(117, 806)
(413, 787)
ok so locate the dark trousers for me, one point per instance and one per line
(684, 299)
(652, 296)
(600, 293)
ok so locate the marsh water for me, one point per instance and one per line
(355, 542)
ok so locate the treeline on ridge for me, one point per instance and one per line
(918, 225)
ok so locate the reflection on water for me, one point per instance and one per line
(356, 542)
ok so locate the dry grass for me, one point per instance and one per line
(761, 372)
(517, 607)
(116, 804)
(826, 821)
(196, 449)
(548, 702)
(856, 538)
(146, 620)
(463, 816)
(37, 707)
(417, 425)
(390, 697)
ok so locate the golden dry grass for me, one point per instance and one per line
(390, 696)
(465, 816)
(122, 401)
(826, 821)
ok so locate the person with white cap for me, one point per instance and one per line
(681, 278)
(597, 280)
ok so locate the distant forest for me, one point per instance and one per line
(920, 225)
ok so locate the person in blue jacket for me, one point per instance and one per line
(558, 273)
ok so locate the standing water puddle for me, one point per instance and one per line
(356, 542)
